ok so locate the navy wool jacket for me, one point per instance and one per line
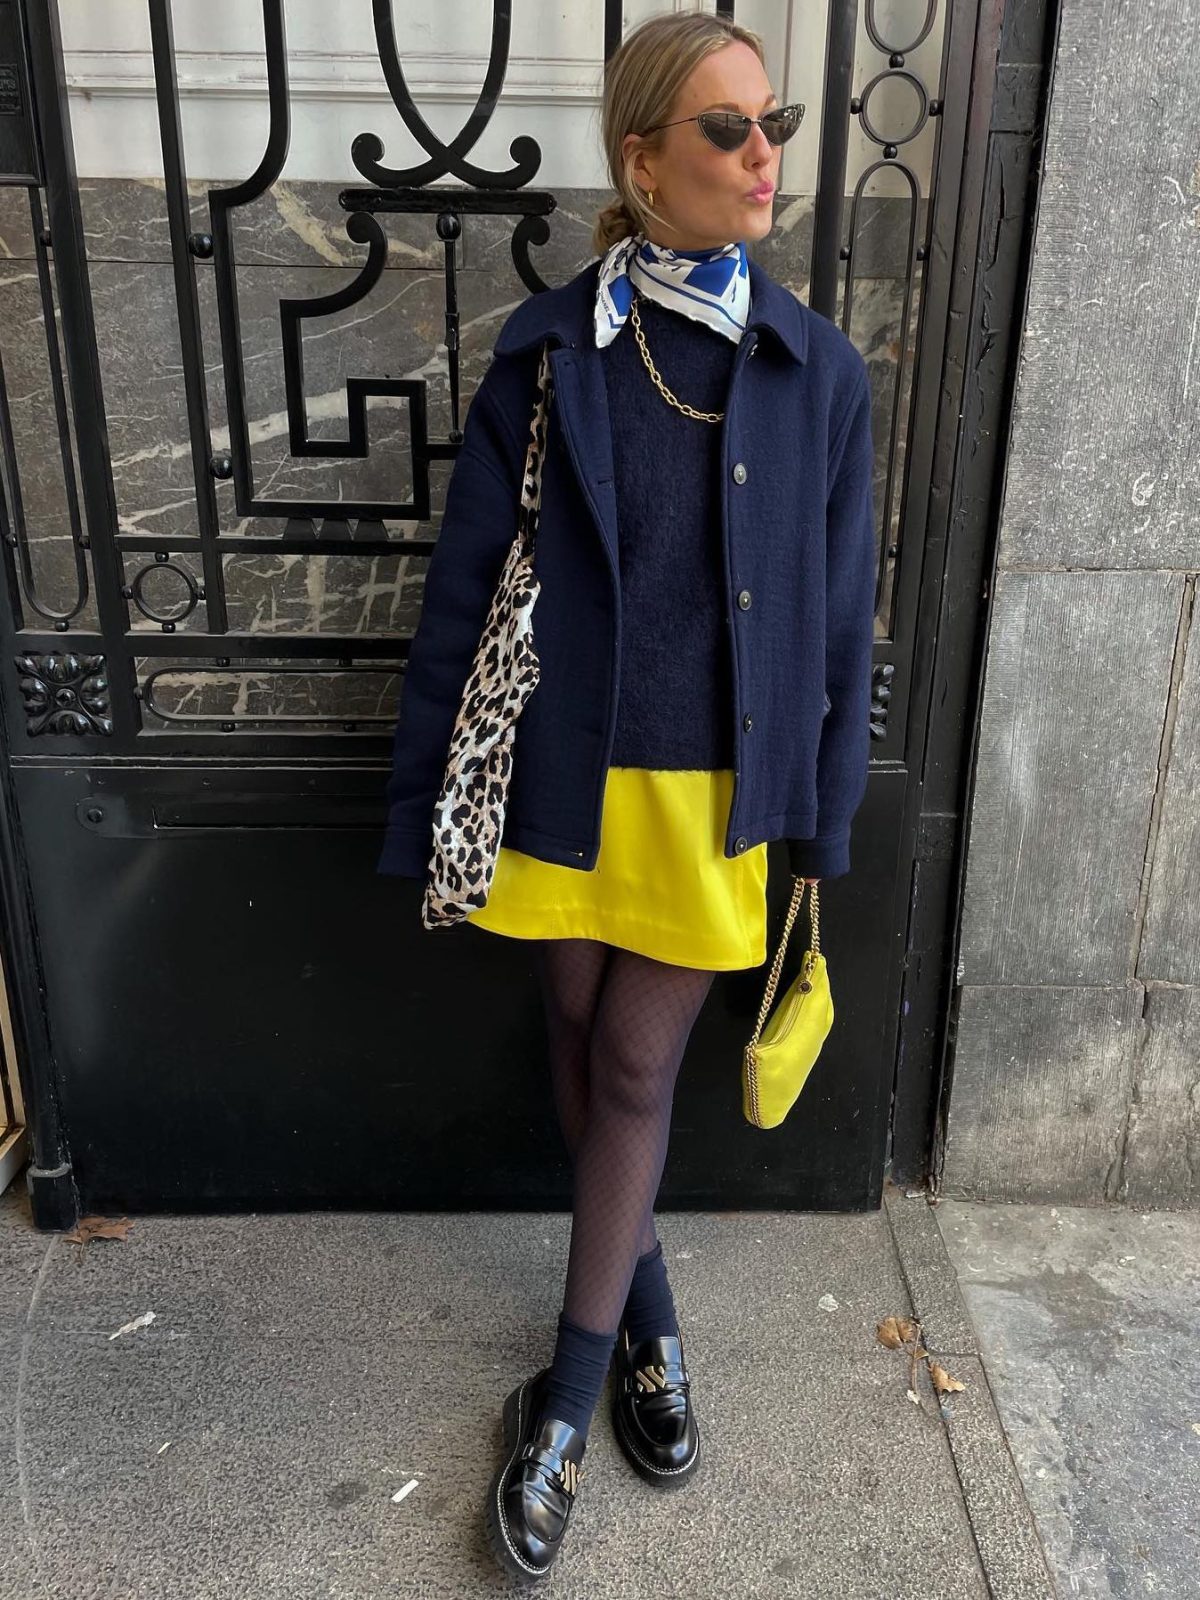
(799, 551)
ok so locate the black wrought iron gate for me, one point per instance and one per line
(217, 1004)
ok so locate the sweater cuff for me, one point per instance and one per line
(826, 856)
(405, 855)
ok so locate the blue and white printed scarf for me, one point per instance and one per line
(713, 286)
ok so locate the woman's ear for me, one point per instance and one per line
(639, 171)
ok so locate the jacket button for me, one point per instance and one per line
(739, 844)
(744, 599)
(747, 722)
(739, 472)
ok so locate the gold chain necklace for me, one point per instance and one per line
(688, 411)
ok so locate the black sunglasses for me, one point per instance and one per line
(729, 130)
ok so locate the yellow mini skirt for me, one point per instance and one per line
(661, 886)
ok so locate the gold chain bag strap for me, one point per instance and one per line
(778, 1059)
(468, 816)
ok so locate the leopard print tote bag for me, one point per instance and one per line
(468, 816)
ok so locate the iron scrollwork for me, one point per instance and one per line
(881, 694)
(897, 52)
(363, 229)
(320, 527)
(65, 694)
(367, 150)
(398, 190)
(188, 600)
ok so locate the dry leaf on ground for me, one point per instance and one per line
(904, 1333)
(942, 1381)
(895, 1332)
(89, 1228)
(98, 1228)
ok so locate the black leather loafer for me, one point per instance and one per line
(652, 1409)
(532, 1491)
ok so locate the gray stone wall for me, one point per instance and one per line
(1076, 1068)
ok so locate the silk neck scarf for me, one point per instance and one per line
(712, 286)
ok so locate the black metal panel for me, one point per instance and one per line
(235, 1005)
(1013, 56)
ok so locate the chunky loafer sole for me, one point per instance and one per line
(652, 1414)
(556, 1451)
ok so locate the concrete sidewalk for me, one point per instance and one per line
(1088, 1318)
(301, 1370)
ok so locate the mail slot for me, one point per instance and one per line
(120, 816)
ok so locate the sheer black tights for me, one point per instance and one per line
(617, 1026)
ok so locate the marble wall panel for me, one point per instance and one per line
(1042, 1082)
(1084, 842)
(189, 694)
(293, 224)
(1075, 692)
(301, 224)
(1170, 946)
(1104, 468)
(292, 243)
(1162, 1150)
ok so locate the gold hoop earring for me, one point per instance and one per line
(649, 197)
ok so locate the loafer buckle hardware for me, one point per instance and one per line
(558, 1469)
(650, 1378)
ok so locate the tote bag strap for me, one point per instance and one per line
(814, 911)
(535, 453)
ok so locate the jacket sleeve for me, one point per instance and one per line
(851, 561)
(479, 523)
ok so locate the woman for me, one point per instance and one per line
(704, 636)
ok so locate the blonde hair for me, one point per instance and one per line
(642, 78)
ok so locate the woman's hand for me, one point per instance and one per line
(812, 880)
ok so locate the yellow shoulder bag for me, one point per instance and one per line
(778, 1059)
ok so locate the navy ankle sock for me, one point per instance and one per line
(577, 1373)
(650, 1306)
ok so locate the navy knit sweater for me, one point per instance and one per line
(667, 467)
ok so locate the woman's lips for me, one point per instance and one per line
(764, 192)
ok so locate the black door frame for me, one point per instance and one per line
(1011, 72)
(968, 338)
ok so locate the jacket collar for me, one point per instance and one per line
(565, 314)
